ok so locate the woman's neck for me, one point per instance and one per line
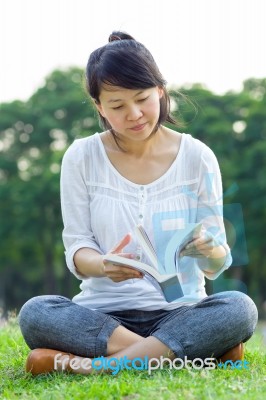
(139, 149)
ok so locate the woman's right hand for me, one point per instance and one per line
(118, 273)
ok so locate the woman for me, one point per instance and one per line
(110, 182)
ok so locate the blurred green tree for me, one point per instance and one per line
(33, 138)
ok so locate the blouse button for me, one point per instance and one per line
(142, 188)
(140, 216)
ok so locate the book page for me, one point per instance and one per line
(140, 266)
(178, 241)
(146, 245)
(171, 233)
(171, 244)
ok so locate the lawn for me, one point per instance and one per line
(165, 384)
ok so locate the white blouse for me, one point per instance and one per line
(100, 206)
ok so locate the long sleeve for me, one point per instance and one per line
(210, 204)
(75, 208)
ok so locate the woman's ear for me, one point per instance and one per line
(99, 107)
(161, 92)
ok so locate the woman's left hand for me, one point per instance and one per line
(202, 246)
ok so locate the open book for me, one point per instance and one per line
(168, 284)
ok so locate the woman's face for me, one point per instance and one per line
(131, 113)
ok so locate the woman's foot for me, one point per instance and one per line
(43, 361)
(234, 354)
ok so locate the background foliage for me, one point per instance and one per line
(34, 136)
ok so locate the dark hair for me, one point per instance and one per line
(126, 63)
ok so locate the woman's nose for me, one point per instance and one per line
(134, 113)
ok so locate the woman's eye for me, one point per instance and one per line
(145, 98)
(139, 101)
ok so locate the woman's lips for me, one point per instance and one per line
(138, 127)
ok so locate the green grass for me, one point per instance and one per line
(166, 384)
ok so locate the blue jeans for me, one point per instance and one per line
(207, 329)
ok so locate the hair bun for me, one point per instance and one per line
(117, 35)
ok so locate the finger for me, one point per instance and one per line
(191, 253)
(112, 269)
(201, 248)
(117, 280)
(197, 243)
(196, 247)
(126, 255)
(124, 242)
(123, 277)
(129, 273)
